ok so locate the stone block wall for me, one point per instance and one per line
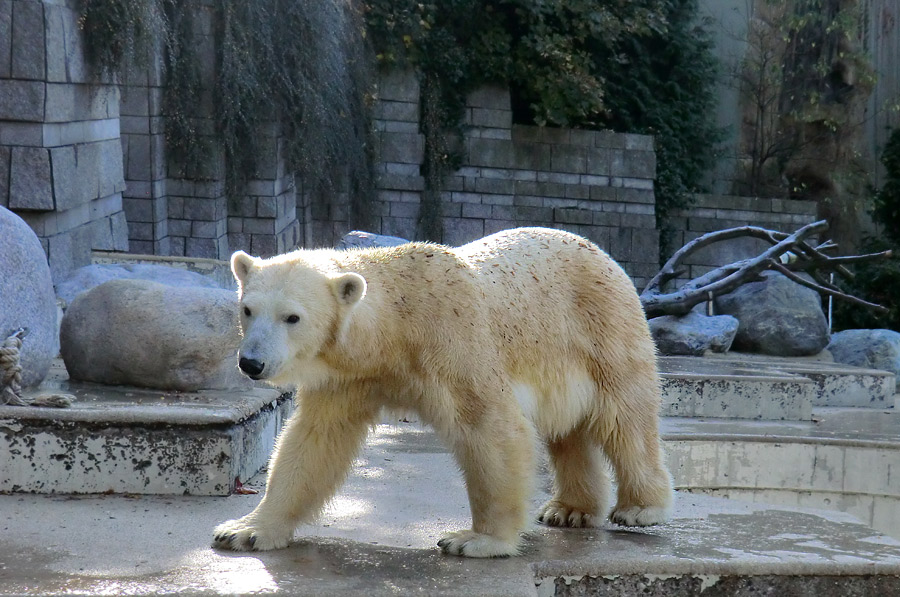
(716, 212)
(595, 183)
(60, 150)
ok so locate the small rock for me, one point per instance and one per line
(366, 240)
(776, 317)
(89, 276)
(873, 349)
(147, 334)
(26, 297)
(693, 334)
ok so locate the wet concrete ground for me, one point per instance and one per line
(379, 538)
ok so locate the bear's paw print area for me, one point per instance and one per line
(245, 535)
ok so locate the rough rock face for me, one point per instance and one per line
(26, 297)
(142, 333)
(366, 240)
(89, 276)
(777, 317)
(873, 349)
(693, 334)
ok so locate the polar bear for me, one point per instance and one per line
(527, 334)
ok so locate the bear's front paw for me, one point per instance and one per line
(639, 516)
(244, 534)
(476, 545)
(557, 514)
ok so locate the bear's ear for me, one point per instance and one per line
(349, 288)
(240, 265)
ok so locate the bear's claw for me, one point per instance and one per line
(244, 535)
(470, 544)
(556, 514)
(639, 516)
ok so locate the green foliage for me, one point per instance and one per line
(299, 70)
(879, 281)
(119, 31)
(662, 84)
(887, 199)
(644, 66)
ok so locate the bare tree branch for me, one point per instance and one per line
(724, 279)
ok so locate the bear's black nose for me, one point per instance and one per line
(251, 367)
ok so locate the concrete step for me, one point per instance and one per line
(700, 387)
(129, 440)
(845, 459)
(379, 535)
(744, 386)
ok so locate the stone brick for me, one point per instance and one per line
(119, 229)
(476, 210)
(5, 37)
(137, 160)
(559, 202)
(110, 172)
(640, 164)
(599, 235)
(402, 227)
(568, 158)
(179, 227)
(598, 161)
(620, 247)
(528, 200)
(578, 191)
(495, 185)
(140, 231)
(493, 153)
(264, 245)
(495, 97)
(201, 247)
(459, 231)
(645, 247)
(531, 156)
(28, 46)
(534, 214)
(4, 176)
(639, 142)
(503, 212)
(606, 218)
(492, 226)
(490, 118)
(404, 148)
(404, 210)
(138, 210)
(572, 216)
(56, 42)
(399, 85)
(266, 207)
(22, 100)
(256, 226)
(610, 140)
(400, 111)
(30, 179)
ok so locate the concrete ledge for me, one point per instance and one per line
(129, 440)
(378, 538)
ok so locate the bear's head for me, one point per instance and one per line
(291, 308)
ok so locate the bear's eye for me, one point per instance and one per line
(292, 318)
(247, 311)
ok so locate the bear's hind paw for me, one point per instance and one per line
(639, 516)
(476, 545)
(557, 514)
(244, 535)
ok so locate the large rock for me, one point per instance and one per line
(777, 317)
(873, 349)
(26, 297)
(366, 240)
(693, 334)
(89, 276)
(142, 333)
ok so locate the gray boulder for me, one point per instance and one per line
(776, 317)
(366, 240)
(142, 333)
(26, 297)
(873, 349)
(89, 276)
(693, 334)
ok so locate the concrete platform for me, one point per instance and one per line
(129, 440)
(379, 535)
(743, 386)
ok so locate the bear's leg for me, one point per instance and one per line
(644, 485)
(498, 465)
(581, 485)
(312, 457)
